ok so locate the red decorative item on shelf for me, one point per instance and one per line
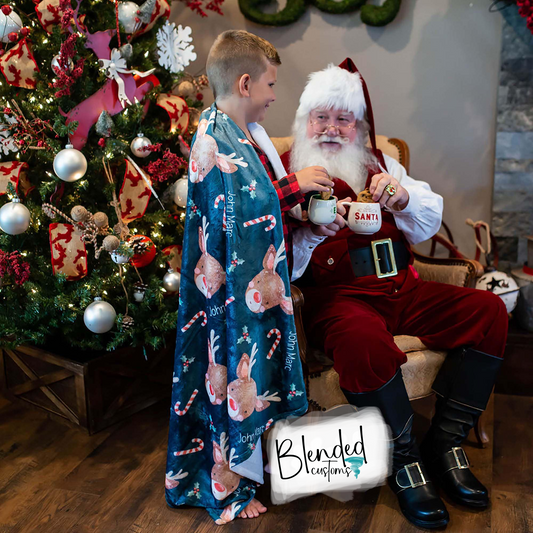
(146, 252)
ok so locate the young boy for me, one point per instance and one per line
(242, 71)
(237, 367)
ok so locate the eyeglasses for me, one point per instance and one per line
(321, 126)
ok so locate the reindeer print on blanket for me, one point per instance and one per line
(235, 327)
(223, 480)
(216, 377)
(205, 155)
(242, 393)
(208, 274)
(267, 289)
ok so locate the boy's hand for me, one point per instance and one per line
(314, 179)
(331, 229)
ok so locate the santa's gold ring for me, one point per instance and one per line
(391, 189)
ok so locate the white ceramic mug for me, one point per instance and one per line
(322, 211)
(363, 218)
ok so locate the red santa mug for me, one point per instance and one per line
(363, 218)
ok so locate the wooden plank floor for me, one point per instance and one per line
(56, 479)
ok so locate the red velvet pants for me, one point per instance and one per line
(356, 330)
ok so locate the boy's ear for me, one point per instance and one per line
(244, 85)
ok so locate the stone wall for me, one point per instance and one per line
(512, 214)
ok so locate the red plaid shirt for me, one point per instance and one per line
(289, 195)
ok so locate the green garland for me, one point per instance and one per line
(289, 14)
(294, 9)
(380, 15)
(338, 8)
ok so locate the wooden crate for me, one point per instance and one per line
(93, 394)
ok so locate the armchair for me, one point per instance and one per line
(423, 364)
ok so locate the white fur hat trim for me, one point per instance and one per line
(333, 88)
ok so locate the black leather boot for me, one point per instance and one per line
(416, 494)
(463, 387)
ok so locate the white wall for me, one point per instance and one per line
(432, 75)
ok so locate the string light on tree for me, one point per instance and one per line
(14, 217)
(70, 164)
(138, 144)
(99, 316)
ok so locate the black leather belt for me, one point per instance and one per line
(382, 258)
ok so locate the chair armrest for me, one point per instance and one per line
(310, 366)
(455, 271)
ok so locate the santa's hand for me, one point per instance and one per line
(341, 210)
(331, 229)
(314, 179)
(381, 187)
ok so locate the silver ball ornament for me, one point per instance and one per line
(138, 144)
(128, 16)
(56, 64)
(171, 281)
(99, 316)
(180, 192)
(14, 218)
(9, 24)
(70, 164)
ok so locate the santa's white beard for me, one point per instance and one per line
(350, 163)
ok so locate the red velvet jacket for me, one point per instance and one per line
(330, 263)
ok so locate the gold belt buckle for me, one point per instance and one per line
(379, 273)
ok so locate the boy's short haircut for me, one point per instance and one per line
(234, 53)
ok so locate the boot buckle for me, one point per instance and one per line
(415, 476)
(463, 462)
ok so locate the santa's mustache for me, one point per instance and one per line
(326, 138)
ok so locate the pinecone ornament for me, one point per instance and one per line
(127, 323)
(138, 245)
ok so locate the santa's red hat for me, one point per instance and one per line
(340, 87)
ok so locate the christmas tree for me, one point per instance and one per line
(97, 112)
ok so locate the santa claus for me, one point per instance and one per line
(353, 309)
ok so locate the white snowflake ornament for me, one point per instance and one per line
(173, 45)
